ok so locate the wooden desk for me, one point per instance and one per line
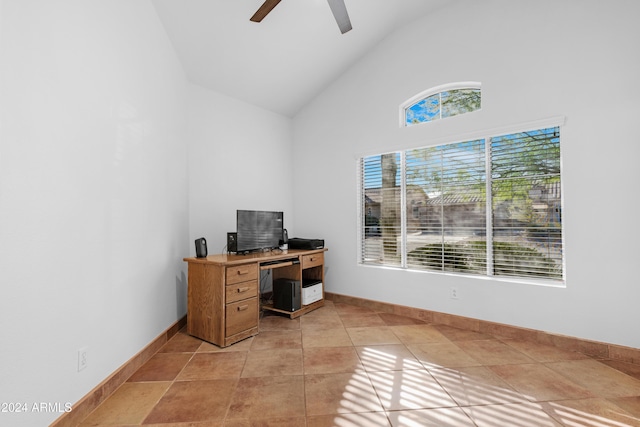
(223, 297)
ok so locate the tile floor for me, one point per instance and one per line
(349, 366)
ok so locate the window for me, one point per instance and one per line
(489, 206)
(527, 213)
(451, 181)
(441, 102)
(382, 195)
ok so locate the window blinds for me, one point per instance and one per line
(381, 208)
(446, 190)
(526, 199)
(427, 208)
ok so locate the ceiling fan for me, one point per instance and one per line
(338, 9)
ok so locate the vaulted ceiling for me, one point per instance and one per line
(283, 62)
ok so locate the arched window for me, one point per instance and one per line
(440, 102)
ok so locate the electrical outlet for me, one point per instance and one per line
(454, 293)
(82, 358)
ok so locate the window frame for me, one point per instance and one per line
(435, 91)
(556, 121)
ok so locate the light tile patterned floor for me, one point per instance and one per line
(349, 366)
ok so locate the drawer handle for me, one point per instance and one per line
(241, 272)
(241, 290)
(311, 259)
(242, 307)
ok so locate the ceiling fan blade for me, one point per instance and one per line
(264, 10)
(340, 13)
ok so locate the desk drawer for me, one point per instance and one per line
(312, 260)
(241, 315)
(242, 273)
(239, 291)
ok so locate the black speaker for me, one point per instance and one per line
(285, 237)
(232, 242)
(201, 248)
(287, 294)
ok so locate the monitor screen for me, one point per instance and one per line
(258, 230)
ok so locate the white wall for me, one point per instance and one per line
(535, 60)
(93, 194)
(240, 157)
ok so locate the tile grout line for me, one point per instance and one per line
(172, 382)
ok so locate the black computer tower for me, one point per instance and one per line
(287, 294)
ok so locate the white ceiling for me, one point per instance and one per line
(286, 60)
